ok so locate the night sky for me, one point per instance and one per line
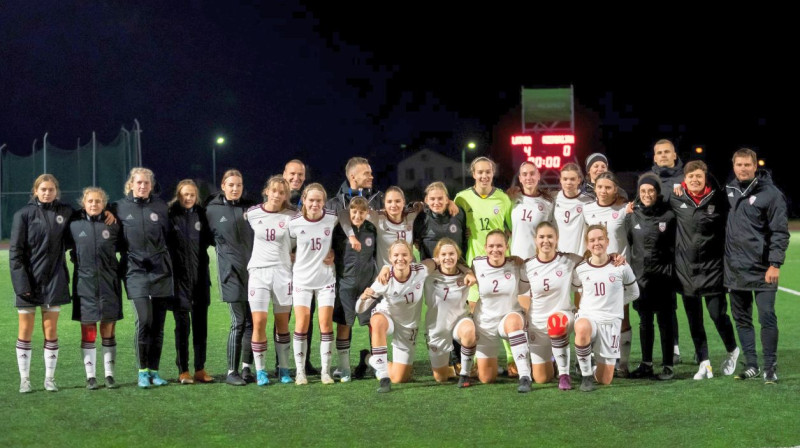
(323, 83)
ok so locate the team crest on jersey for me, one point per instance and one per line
(419, 285)
(281, 224)
(662, 226)
(453, 228)
(559, 273)
(60, 219)
(459, 282)
(327, 231)
(541, 207)
(198, 226)
(508, 275)
(579, 209)
(496, 209)
(612, 278)
(106, 234)
(711, 209)
(751, 200)
(368, 242)
(615, 215)
(153, 217)
(252, 292)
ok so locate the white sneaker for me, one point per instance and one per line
(704, 371)
(729, 364)
(50, 384)
(25, 385)
(325, 378)
(300, 378)
(345, 376)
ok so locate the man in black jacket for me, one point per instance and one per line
(757, 236)
(294, 172)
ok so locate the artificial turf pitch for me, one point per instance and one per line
(682, 412)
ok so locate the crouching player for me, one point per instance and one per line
(606, 289)
(355, 271)
(447, 318)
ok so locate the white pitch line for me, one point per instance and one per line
(790, 291)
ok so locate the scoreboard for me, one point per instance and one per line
(546, 151)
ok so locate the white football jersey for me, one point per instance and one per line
(446, 300)
(605, 289)
(527, 213)
(613, 217)
(568, 217)
(403, 300)
(313, 244)
(499, 288)
(551, 287)
(272, 244)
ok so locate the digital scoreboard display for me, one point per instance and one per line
(546, 151)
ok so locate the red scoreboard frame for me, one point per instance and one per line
(546, 151)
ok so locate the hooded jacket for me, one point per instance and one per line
(188, 240)
(670, 176)
(37, 260)
(145, 257)
(342, 199)
(700, 241)
(233, 239)
(756, 234)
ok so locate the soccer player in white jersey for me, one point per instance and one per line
(447, 319)
(270, 279)
(498, 313)
(610, 210)
(568, 212)
(397, 314)
(531, 206)
(313, 229)
(605, 290)
(550, 315)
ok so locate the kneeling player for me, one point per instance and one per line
(606, 289)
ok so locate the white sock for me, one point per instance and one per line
(343, 352)
(89, 358)
(24, 358)
(283, 347)
(326, 351)
(50, 358)
(518, 340)
(247, 366)
(109, 355)
(259, 352)
(466, 360)
(300, 345)
(584, 354)
(380, 362)
(625, 348)
(676, 350)
(560, 347)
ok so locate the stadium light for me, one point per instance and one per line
(761, 162)
(471, 146)
(698, 149)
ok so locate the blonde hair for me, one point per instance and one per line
(98, 190)
(446, 242)
(482, 159)
(45, 178)
(181, 184)
(313, 187)
(403, 243)
(277, 179)
(437, 186)
(141, 171)
(230, 173)
(359, 203)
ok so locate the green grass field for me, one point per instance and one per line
(683, 412)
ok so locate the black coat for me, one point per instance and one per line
(757, 232)
(669, 177)
(651, 238)
(96, 274)
(37, 260)
(233, 239)
(342, 199)
(430, 227)
(700, 241)
(145, 257)
(355, 268)
(188, 240)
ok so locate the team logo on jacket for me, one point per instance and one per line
(281, 224)
(153, 217)
(106, 234)
(615, 215)
(368, 242)
(508, 275)
(541, 207)
(496, 209)
(453, 228)
(751, 201)
(710, 209)
(198, 226)
(327, 231)
(60, 219)
(559, 273)
(662, 226)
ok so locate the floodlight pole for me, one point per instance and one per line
(2, 147)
